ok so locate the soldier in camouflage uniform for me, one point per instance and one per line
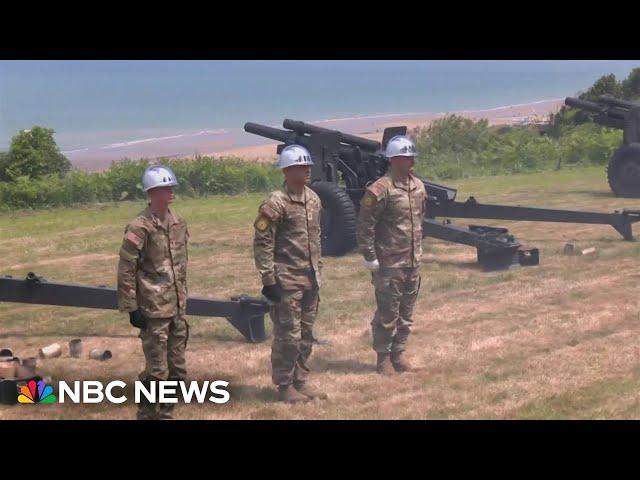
(152, 286)
(287, 255)
(389, 235)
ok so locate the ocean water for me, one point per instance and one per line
(108, 104)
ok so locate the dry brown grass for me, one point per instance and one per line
(554, 341)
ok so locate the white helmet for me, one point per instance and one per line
(158, 176)
(400, 146)
(294, 155)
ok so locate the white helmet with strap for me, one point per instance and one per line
(292, 155)
(400, 146)
(158, 176)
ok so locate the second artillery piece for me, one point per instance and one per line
(344, 165)
(244, 313)
(623, 170)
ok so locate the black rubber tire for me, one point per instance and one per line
(338, 219)
(623, 171)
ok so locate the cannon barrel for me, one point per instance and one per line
(604, 110)
(617, 102)
(302, 127)
(584, 104)
(270, 132)
(290, 137)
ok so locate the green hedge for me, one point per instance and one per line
(453, 147)
(456, 147)
(200, 176)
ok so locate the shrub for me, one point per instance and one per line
(200, 176)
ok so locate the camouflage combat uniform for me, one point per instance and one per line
(390, 229)
(152, 276)
(287, 251)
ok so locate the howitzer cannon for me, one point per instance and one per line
(355, 162)
(623, 170)
(245, 313)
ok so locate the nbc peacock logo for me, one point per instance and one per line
(36, 392)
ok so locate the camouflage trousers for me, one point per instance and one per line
(293, 320)
(396, 291)
(164, 343)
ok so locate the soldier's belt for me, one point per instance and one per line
(245, 313)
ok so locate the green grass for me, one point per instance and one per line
(490, 345)
(221, 226)
(592, 402)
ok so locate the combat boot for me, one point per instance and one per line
(384, 366)
(165, 410)
(146, 409)
(288, 394)
(400, 363)
(310, 392)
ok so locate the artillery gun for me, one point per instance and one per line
(623, 170)
(245, 313)
(344, 165)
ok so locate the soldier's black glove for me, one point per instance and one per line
(272, 292)
(137, 319)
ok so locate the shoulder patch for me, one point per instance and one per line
(271, 208)
(377, 188)
(135, 239)
(262, 223)
(269, 211)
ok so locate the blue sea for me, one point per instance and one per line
(104, 104)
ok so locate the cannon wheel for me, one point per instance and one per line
(338, 219)
(623, 171)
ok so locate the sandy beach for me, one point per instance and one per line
(372, 127)
(235, 142)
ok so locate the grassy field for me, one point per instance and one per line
(555, 341)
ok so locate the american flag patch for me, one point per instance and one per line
(269, 212)
(376, 189)
(136, 240)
